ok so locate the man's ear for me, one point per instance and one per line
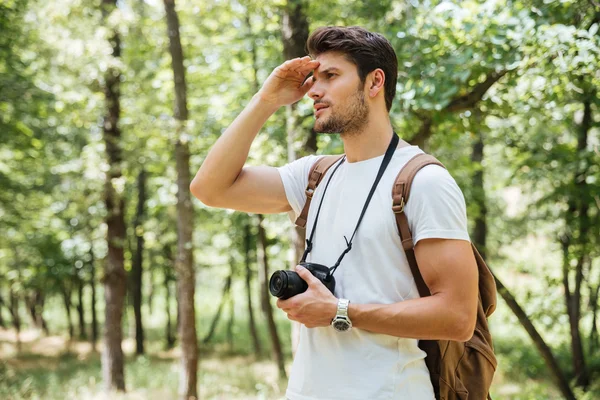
(376, 80)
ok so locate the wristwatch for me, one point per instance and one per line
(341, 322)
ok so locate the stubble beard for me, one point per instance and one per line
(352, 121)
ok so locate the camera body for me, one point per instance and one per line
(285, 284)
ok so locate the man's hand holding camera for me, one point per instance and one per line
(315, 307)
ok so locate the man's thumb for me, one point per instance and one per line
(306, 275)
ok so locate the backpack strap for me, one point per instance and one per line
(316, 174)
(400, 195)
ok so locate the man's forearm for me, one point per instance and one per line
(228, 155)
(424, 318)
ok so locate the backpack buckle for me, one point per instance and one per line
(309, 192)
(399, 208)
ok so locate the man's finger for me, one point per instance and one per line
(307, 85)
(307, 276)
(285, 305)
(291, 64)
(309, 66)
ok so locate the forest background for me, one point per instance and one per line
(113, 278)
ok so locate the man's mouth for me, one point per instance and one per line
(320, 108)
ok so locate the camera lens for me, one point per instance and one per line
(278, 283)
(285, 284)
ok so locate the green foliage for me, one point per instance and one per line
(539, 57)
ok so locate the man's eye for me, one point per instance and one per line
(329, 75)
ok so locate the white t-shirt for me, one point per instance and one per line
(360, 365)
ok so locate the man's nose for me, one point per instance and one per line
(315, 92)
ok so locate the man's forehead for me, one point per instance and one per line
(332, 60)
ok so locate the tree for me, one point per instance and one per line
(224, 298)
(114, 273)
(184, 266)
(251, 323)
(263, 277)
(295, 34)
(137, 264)
(479, 236)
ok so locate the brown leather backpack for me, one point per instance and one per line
(459, 370)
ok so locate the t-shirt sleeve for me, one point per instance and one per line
(436, 207)
(295, 178)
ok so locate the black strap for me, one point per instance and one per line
(312, 233)
(384, 163)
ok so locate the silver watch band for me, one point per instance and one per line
(342, 308)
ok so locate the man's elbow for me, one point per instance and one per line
(465, 327)
(201, 193)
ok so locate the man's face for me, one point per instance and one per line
(338, 94)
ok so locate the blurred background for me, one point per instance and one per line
(113, 277)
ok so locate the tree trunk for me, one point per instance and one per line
(93, 299)
(80, 309)
(252, 324)
(579, 364)
(577, 205)
(295, 35)
(231, 301)
(593, 346)
(169, 328)
(557, 375)
(40, 314)
(479, 239)
(137, 265)
(115, 278)
(215, 321)
(30, 303)
(66, 295)
(35, 304)
(2, 323)
(13, 308)
(263, 277)
(150, 278)
(169, 277)
(136, 274)
(480, 228)
(582, 372)
(185, 217)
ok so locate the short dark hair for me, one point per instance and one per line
(367, 50)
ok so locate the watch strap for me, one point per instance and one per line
(342, 308)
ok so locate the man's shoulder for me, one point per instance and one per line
(435, 183)
(427, 173)
(300, 165)
(308, 163)
(431, 177)
(432, 174)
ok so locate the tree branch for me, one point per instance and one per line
(460, 103)
(424, 132)
(469, 100)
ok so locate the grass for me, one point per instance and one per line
(73, 371)
(54, 368)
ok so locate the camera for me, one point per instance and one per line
(285, 284)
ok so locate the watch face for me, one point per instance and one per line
(341, 325)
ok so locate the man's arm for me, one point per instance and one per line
(448, 268)
(222, 181)
(450, 271)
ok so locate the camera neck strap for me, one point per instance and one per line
(384, 163)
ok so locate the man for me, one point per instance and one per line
(352, 87)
